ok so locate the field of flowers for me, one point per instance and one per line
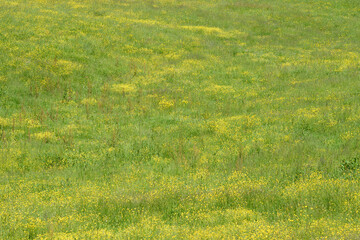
(184, 119)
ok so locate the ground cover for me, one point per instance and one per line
(179, 119)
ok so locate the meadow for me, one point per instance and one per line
(161, 119)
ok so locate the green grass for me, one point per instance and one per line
(179, 119)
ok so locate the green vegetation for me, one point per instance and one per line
(183, 119)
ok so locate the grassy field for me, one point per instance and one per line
(216, 119)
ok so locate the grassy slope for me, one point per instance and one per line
(185, 119)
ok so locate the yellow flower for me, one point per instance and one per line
(89, 101)
(44, 136)
(123, 88)
(165, 103)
